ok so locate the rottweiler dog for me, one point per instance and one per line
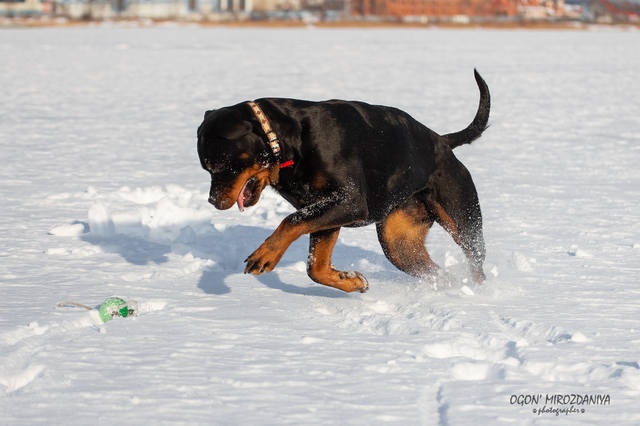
(346, 163)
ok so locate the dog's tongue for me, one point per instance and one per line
(241, 201)
(242, 195)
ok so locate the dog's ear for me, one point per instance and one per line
(227, 123)
(206, 114)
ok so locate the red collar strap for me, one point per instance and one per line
(272, 138)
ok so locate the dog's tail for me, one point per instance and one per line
(479, 123)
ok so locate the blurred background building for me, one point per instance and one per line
(454, 11)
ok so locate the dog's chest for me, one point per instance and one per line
(301, 192)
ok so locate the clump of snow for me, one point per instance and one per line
(471, 370)
(70, 230)
(574, 250)
(12, 381)
(494, 271)
(579, 337)
(466, 290)
(521, 262)
(100, 222)
(142, 195)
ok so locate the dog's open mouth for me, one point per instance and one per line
(249, 193)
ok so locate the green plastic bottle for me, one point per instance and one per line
(116, 307)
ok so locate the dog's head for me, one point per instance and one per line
(235, 156)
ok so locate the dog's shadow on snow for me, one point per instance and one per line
(135, 250)
(230, 261)
(227, 249)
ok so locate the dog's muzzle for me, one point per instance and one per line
(221, 201)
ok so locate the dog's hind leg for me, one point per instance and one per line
(402, 236)
(456, 208)
(319, 266)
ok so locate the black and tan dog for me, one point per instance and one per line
(344, 163)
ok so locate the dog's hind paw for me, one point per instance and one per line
(478, 276)
(355, 276)
(365, 283)
(346, 281)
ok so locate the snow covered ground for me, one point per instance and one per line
(102, 195)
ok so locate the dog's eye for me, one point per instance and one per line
(209, 166)
(214, 168)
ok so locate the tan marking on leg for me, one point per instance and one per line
(403, 235)
(446, 222)
(267, 256)
(319, 266)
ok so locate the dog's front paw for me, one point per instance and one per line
(264, 259)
